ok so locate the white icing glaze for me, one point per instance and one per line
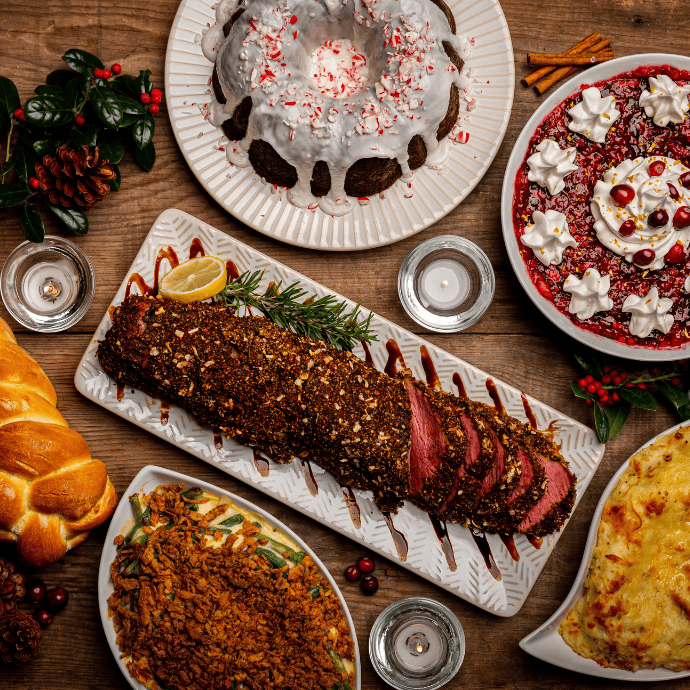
(548, 236)
(268, 54)
(589, 295)
(665, 101)
(686, 285)
(224, 10)
(593, 115)
(211, 41)
(550, 165)
(651, 193)
(648, 313)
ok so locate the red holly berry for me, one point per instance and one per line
(98, 73)
(614, 372)
(643, 386)
(607, 368)
(156, 92)
(627, 228)
(589, 378)
(116, 69)
(601, 392)
(676, 254)
(591, 389)
(655, 371)
(622, 194)
(582, 383)
(656, 168)
(629, 385)
(153, 108)
(19, 114)
(615, 397)
(617, 380)
(34, 183)
(80, 119)
(658, 218)
(43, 617)
(597, 384)
(588, 402)
(644, 257)
(352, 573)
(156, 99)
(604, 399)
(369, 585)
(681, 218)
(606, 379)
(622, 376)
(145, 98)
(107, 74)
(675, 381)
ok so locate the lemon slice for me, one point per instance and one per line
(194, 280)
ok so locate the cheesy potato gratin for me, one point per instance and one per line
(635, 611)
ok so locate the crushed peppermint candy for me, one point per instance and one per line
(340, 70)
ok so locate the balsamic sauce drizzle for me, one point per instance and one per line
(309, 477)
(165, 412)
(261, 464)
(484, 548)
(352, 506)
(394, 356)
(399, 539)
(441, 530)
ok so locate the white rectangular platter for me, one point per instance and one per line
(470, 578)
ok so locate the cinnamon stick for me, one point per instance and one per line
(563, 72)
(558, 60)
(581, 47)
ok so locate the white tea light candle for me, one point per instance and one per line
(419, 646)
(443, 284)
(50, 286)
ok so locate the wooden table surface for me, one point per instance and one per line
(512, 341)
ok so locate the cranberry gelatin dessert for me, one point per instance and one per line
(601, 207)
(335, 99)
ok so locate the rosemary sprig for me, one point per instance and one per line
(323, 318)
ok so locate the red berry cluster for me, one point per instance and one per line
(51, 602)
(365, 565)
(154, 98)
(611, 377)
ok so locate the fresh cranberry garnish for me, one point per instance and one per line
(369, 585)
(352, 573)
(644, 257)
(366, 565)
(673, 191)
(676, 254)
(658, 218)
(36, 591)
(681, 218)
(684, 179)
(57, 599)
(656, 168)
(622, 194)
(43, 617)
(627, 228)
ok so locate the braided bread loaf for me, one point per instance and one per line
(52, 492)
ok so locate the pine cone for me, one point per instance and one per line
(20, 637)
(74, 175)
(12, 587)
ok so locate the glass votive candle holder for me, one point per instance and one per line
(47, 287)
(417, 643)
(446, 283)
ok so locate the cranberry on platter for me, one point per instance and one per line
(673, 191)
(352, 573)
(57, 599)
(627, 228)
(370, 585)
(658, 218)
(656, 168)
(681, 218)
(622, 194)
(43, 617)
(644, 257)
(676, 254)
(36, 591)
(366, 565)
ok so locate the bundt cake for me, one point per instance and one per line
(335, 99)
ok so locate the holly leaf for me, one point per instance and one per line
(32, 223)
(128, 120)
(72, 218)
(60, 77)
(684, 412)
(4, 171)
(115, 184)
(9, 96)
(110, 147)
(146, 157)
(143, 83)
(676, 396)
(617, 415)
(601, 423)
(12, 194)
(48, 111)
(25, 160)
(588, 364)
(73, 91)
(638, 397)
(579, 391)
(81, 61)
(130, 106)
(143, 129)
(44, 147)
(106, 105)
(125, 84)
(84, 135)
(43, 90)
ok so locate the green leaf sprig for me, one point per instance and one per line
(613, 391)
(85, 105)
(318, 318)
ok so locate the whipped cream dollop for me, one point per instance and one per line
(550, 165)
(665, 101)
(593, 116)
(661, 192)
(686, 285)
(548, 236)
(589, 294)
(648, 313)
